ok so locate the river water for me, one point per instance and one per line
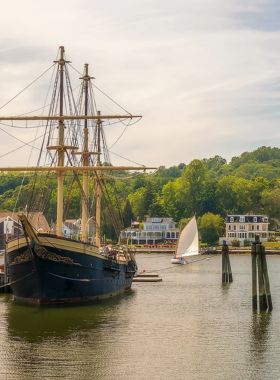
(189, 326)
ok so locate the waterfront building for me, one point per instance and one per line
(10, 227)
(245, 227)
(73, 227)
(155, 230)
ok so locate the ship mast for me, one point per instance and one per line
(98, 184)
(60, 149)
(85, 155)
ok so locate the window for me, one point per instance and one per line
(229, 228)
(232, 235)
(172, 235)
(231, 219)
(242, 219)
(156, 227)
(255, 219)
(168, 235)
(156, 220)
(234, 227)
(258, 227)
(242, 227)
(163, 227)
(149, 226)
(242, 235)
(177, 235)
(253, 227)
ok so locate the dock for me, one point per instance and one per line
(147, 277)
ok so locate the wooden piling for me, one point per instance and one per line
(226, 267)
(266, 279)
(254, 277)
(260, 279)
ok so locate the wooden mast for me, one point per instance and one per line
(60, 149)
(98, 184)
(86, 79)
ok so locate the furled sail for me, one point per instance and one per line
(188, 240)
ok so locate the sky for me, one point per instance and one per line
(205, 75)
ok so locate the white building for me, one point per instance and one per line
(244, 227)
(155, 230)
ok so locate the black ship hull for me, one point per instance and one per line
(61, 270)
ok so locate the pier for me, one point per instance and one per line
(147, 277)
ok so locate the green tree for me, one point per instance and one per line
(191, 185)
(128, 215)
(210, 227)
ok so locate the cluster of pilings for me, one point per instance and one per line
(226, 267)
(261, 295)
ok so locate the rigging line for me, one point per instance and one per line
(191, 262)
(22, 146)
(27, 87)
(41, 150)
(119, 136)
(122, 157)
(38, 109)
(121, 121)
(101, 91)
(17, 138)
(15, 126)
(110, 99)
(123, 178)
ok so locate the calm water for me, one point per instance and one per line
(187, 327)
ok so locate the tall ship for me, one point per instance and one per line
(46, 267)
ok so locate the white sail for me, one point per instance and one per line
(188, 240)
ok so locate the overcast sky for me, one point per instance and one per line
(205, 74)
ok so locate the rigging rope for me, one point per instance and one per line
(27, 87)
(191, 262)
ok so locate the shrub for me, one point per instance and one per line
(235, 243)
(246, 243)
(272, 239)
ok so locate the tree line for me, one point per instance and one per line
(207, 188)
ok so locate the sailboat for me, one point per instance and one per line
(188, 243)
(47, 268)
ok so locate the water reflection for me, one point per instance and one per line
(35, 324)
(260, 329)
(186, 327)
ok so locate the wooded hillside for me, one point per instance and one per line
(248, 182)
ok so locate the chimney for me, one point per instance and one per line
(251, 213)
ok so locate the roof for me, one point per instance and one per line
(71, 226)
(37, 219)
(247, 219)
(70, 221)
(162, 220)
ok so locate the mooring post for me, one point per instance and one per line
(266, 279)
(260, 279)
(229, 266)
(226, 267)
(254, 275)
(262, 296)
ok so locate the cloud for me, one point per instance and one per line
(204, 75)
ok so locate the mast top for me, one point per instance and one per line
(62, 60)
(86, 77)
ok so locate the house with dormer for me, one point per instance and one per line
(245, 227)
